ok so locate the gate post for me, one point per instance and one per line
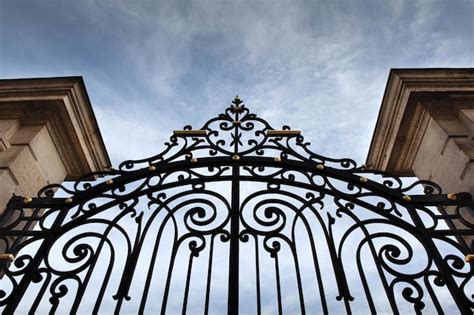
(425, 129)
(48, 133)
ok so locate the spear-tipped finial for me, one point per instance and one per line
(236, 107)
(237, 101)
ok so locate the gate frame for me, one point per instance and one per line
(236, 120)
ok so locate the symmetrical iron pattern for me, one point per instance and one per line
(238, 215)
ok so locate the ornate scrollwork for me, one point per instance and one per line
(351, 237)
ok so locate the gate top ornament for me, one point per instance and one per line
(233, 148)
(238, 133)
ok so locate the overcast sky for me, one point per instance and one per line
(151, 67)
(154, 66)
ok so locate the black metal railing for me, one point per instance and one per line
(239, 217)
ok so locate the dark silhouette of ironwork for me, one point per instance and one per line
(301, 188)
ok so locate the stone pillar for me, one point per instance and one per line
(48, 133)
(425, 129)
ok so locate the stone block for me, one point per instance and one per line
(25, 134)
(430, 150)
(9, 186)
(21, 162)
(449, 169)
(62, 104)
(468, 178)
(452, 126)
(466, 116)
(47, 156)
(8, 128)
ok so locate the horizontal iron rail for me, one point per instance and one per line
(348, 176)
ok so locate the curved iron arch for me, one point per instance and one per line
(234, 147)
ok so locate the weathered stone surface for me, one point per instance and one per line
(426, 128)
(9, 185)
(430, 150)
(48, 133)
(63, 105)
(19, 160)
(8, 127)
(47, 156)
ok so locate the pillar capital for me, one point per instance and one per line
(63, 107)
(48, 134)
(415, 103)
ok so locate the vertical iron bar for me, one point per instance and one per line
(431, 248)
(257, 276)
(174, 251)
(129, 269)
(233, 297)
(188, 282)
(278, 284)
(209, 276)
(30, 271)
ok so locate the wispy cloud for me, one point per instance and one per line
(154, 66)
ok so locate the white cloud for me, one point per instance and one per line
(319, 67)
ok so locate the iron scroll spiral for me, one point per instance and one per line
(316, 234)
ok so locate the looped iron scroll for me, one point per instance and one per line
(289, 227)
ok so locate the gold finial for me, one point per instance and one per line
(363, 179)
(68, 200)
(237, 98)
(320, 166)
(7, 256)
(27, 199)
(452, 196)
(406, 198)
(190, 133)
(469, 258)
(283, 133)
(235, 157)
(109, 182)
(151, 168)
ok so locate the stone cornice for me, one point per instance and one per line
(62, 104)
(411, 95)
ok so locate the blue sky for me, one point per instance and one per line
(154, 66)
(151, 67)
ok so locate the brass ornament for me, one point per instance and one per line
(7, 256)
(283, 133)
(190, 133)
(452, 196)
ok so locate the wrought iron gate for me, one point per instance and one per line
(238, 216)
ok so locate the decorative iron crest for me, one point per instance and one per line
(180, 195)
